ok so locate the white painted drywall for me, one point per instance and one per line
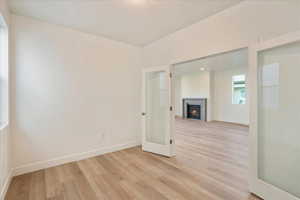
(210, 100)
(223, 109)
(195, 85)
(192, 85)
(233, 28)
(178, 97)
(72, 92)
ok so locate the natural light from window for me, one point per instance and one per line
(3, 74)
(239, 89)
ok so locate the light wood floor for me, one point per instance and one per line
(211, 164)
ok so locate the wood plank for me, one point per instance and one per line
(37, 190)
(211, 163)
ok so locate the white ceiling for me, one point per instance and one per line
(138, 22)
(228, 60)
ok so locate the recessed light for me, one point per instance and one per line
(202, 68)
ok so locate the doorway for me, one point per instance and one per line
(217, 85)
(212, 117)
(208, 126)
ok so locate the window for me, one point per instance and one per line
(239, 89)
(3, 73)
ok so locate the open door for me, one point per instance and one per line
(157, 111)
(275, 118)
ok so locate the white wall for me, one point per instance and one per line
(233, 28)
(192, 85)
(73, 94)
(66, 100)
(195, 85)
(223, 109)
(178, 97)
(5, 137)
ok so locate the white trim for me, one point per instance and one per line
(155, 69)
(270, 192)
(211, 54)
(252, 59)
(157, 148)
(6, 185)
(71, 158)
(279, 41)
(172, 113)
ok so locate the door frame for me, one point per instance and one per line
(258, 186)
(169, 148)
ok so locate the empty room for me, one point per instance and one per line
(149, 99)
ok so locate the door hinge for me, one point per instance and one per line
(171, 108)
(170, 75)
(171, 141)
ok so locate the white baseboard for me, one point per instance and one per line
(6, 185)
(70, 158)
(235, 123)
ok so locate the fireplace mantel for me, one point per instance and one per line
(195, 101)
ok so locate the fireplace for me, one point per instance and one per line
(194, 108)
(193, 111)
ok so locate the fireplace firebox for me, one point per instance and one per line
(194, 108)
(193, 111)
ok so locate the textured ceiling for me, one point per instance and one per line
(138, 22)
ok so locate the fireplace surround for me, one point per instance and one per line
(194, 108)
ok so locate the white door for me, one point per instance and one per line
(157, 115)
(275, 118)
